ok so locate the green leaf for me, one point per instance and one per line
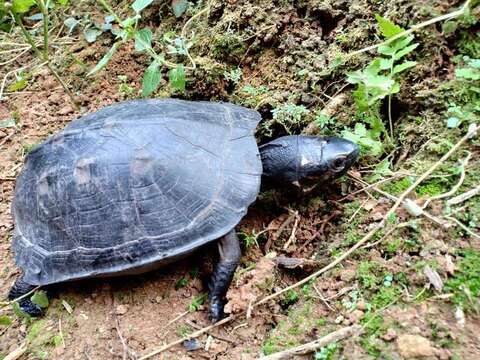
(18, 85)
(405, 51)
(467, 73)
(179, 7)
(386, 63)
(40, 298)
(176, 77)
(7, 123)
(143, 39)
(404, 66)
(388, 28)
(139, 5)
(453, 122)
(449, 27)
(151, 79)
(91, 34)
(106, 58)
(5, 320)
(70, 23)
(22, 6)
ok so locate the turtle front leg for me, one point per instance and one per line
(229, 249)
(19, 289)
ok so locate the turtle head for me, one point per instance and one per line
(307, 160)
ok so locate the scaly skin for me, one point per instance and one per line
(19, 289)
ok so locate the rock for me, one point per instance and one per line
(390, 335)
(347, 274)
(81, 318)
(121, 309)
(361, 305)
(67, 109)
(355, 316)
(191, 345)
(413, 346)
(2, 134)
(433, 278)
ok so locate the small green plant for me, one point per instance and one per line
(290, 298)
(290, 116)
(234, 75)
(182, 282)
(197, 302)
(326, 352)
(376, 82)
(143, 38)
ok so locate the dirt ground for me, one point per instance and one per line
(284, 47)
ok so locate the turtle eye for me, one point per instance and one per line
(338, 164)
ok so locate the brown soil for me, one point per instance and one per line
(116, 318)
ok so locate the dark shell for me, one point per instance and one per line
(133, 184)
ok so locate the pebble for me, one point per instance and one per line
(414, 346)
(355, 316)
(67, 109)
(2, 134)
(192, 345)
(347, 274)
(361, 305)
(121, 309)
(390, 335)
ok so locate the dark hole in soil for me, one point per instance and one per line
(398, 108)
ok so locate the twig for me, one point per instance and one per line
(414, 28)
(6, 303)
(188, 337)
(429, 216)
(60, 332)
(471, 132)
(17, 353)
(126, 349)
(291, 238)
(307, 348)
(464, 196)
(463, 226)
(388, 233)
(455, 188)
(219, 337)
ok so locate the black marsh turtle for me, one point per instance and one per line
(142, 183)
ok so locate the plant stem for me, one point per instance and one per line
(44, 10)
(110, 10)
(43, 55)
(28, 36)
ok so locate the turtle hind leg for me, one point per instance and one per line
(20, 288)
(229, 249)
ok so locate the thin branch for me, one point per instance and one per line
(307, 348)
(455, 188)
(464, 196)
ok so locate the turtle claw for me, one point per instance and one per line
(216, 310)
(32, 309)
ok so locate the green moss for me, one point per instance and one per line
(228, 47)
(399, 186)
(432, 188)
(367, 274)
(465, 284)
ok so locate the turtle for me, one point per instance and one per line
(142, 183)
